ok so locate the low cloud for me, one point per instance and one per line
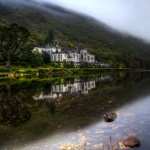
(129, 16)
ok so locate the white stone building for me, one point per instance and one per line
(74, 57)
(87, 57)
(59, 57)
(48, 50)
(56, 54)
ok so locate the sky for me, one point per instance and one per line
(129, 16)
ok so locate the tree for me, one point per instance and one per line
(46, 58)
(50, 38)
(13, 38)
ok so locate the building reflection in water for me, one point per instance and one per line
(78, 86)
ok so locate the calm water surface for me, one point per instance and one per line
(49, 114)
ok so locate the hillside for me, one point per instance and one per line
(72, 28)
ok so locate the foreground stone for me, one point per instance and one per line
(70, 147)
(110, 116)
(131, 142)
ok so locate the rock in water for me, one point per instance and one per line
(110, 116)
(131, 142)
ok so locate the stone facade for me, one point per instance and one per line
(59, 57)
(87, 57)
(56, 54)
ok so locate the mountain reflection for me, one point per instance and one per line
(32, 110)
(15, 110)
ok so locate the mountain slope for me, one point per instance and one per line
(72, 28)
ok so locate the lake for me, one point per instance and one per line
(56, 113)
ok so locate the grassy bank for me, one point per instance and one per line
(47, 71)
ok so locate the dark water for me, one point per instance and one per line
(51, 114)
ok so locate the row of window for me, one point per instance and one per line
(72, 57)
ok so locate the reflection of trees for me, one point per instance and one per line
(51, 107)
(13, 110)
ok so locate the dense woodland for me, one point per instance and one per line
(22, 30)
(16, 45)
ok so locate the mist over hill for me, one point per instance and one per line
(73, 29)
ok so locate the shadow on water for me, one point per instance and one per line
(33, 110)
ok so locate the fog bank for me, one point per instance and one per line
(130, 16)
